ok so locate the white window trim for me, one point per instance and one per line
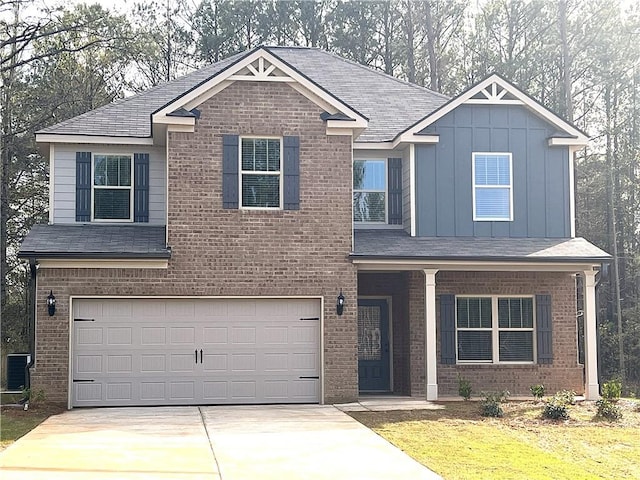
(474, 186)
(495, 332)
(106, 187)
(279, 173)
(385, 191)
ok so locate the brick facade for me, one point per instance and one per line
(564, 373)
(222, 252)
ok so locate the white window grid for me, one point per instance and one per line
(278, 173)
(109, 187)
(495, 331)
(510, 186)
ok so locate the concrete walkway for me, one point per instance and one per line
(228, 443)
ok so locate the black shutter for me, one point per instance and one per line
(230, 167)
(447, 329)
(394, 188)
(291, 173)
(83, 186)
(141, 187)
(544, 329)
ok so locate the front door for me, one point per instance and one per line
(373, 346)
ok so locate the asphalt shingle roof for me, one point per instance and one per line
(391, 105)
(397, 244)
(95, 241)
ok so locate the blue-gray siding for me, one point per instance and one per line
(64, 165)
(444, 198)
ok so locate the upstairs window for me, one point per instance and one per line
(112, 187)
(370, 191)
(261, 173)
(492, 187)
(482, 339)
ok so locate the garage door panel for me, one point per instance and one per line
(253, 351)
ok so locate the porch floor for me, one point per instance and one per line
(384, 403)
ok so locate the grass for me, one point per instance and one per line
(457, 443)
(15, 422)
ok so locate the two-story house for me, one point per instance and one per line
(288, 226)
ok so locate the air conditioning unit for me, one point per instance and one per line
(17, 371)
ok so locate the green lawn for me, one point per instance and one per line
(457, 443)
(14, 422)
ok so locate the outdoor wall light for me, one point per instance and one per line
(340, 304)
(51, 304)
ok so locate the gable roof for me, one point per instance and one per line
(497, 90)
(390, 104)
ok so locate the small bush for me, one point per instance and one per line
(491, 405)
(537, 391)
(612, 390)
(464, 387)
(567, 396)
(608, 409)
(557, 407)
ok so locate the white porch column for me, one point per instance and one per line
(591, 388)
(430, 354)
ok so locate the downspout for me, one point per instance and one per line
(32, 319)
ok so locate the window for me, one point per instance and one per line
(112, 187)
(370, 191)
(260, 172)
(492, 192)
(480, 339)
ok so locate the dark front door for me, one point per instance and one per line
(373, 346)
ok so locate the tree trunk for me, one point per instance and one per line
(566, 101)
(411, 60)
(431, 48)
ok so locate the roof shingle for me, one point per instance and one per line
(391, 105)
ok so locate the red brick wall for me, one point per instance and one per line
(564, 373)
(220, 252)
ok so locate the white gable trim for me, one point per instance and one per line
(492, 91)
(269, 68)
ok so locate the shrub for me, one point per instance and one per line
(491, 403)
(537, 391)
(557, 407)
(567, 396)
(612, 390)
(608, 409)
(464, 387)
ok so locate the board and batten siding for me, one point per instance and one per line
(64, 196)
(444, 183)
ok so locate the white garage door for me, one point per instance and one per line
(195, 351)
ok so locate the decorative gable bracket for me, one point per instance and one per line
(494, 94)
(261, 70)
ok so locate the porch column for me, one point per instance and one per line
(591, 388)
(430, 354)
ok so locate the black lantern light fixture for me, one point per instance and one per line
(51, 304)
(340, 304)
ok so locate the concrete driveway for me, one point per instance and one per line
(228, 443)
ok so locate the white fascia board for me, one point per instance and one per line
(521, 98)
(571, 142)
(471, 265)
(413, 138)
(181, 128)
(92, 139)
(227, 75)
(103, 263)
(373, 145)
(172, 120)
(359, 123)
